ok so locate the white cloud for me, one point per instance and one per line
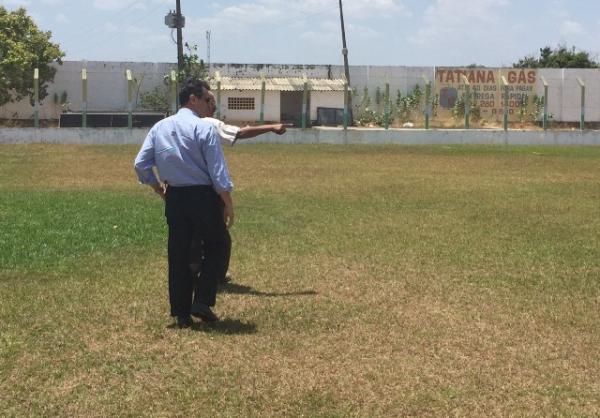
(571, 27)
(250, 13)
(17, 3)
(458, 19)
(362, 32)
(52, 2)
(110, 27)
(113, 4)
(372, 8)
(61, 18)
(127, 4)
(135, 30)
(327, 32)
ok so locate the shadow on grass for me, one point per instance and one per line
(240, 289)
(225, 326)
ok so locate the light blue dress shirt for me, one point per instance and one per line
(186, 152)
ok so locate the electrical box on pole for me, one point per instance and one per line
(171, 20)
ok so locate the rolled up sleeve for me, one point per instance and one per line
(145, 161)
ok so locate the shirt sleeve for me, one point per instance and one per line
(215, 160)
(228, 133)
(145, 160)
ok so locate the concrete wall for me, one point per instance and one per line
(564, 93)
(318, 136)
(325, 99)
(108, 87)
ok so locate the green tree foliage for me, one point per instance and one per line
(24, 47)
(193, 66)
(157, 99)
(559, 57)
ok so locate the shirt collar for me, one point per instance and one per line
(188, 110)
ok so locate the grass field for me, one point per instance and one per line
(369, 281)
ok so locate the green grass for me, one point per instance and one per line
(369, 281)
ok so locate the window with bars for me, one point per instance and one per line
(240, 103)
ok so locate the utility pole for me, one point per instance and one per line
(180, 24)
(346, 68)
(208, 48)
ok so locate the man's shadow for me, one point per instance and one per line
(235, 326)
(226, 327)
(240, 289)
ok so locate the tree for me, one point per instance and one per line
(24, 47)
(559, 57)
(193, 66)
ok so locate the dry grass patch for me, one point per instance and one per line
(369, 281)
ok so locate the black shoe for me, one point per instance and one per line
(202, 311)
(184, 321)
(226, 279)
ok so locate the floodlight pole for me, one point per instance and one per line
(346, 68)
(179, 35)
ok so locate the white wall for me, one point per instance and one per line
(325, 99)
(108, 87)
(272, 107)
(317, 136)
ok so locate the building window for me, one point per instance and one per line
(240, 103)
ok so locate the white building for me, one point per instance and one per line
(240, 99)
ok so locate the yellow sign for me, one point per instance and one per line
(487, 90)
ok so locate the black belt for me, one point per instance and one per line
(196, 187)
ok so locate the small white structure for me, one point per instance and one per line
(240, 99)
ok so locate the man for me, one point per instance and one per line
(229, 135)
(187, 154)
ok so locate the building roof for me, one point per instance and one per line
(279, 84)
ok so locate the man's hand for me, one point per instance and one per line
(159, 189)
(228, 208)
(279, 128)
(228, 216)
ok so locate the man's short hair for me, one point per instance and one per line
(191, 86)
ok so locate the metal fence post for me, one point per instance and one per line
(386, 115)
(545, 120)
(346, 103)
(467, 100)
(36, 97)
(505, 110)
(262, 100)
(427, 101)
(218, 77)
(129, 99)
(84, 97)
(305, 103)
(173, 85)
(582, 121)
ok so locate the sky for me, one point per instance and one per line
(379, 32)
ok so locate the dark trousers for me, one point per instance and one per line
(197, 253)
(194, 211)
